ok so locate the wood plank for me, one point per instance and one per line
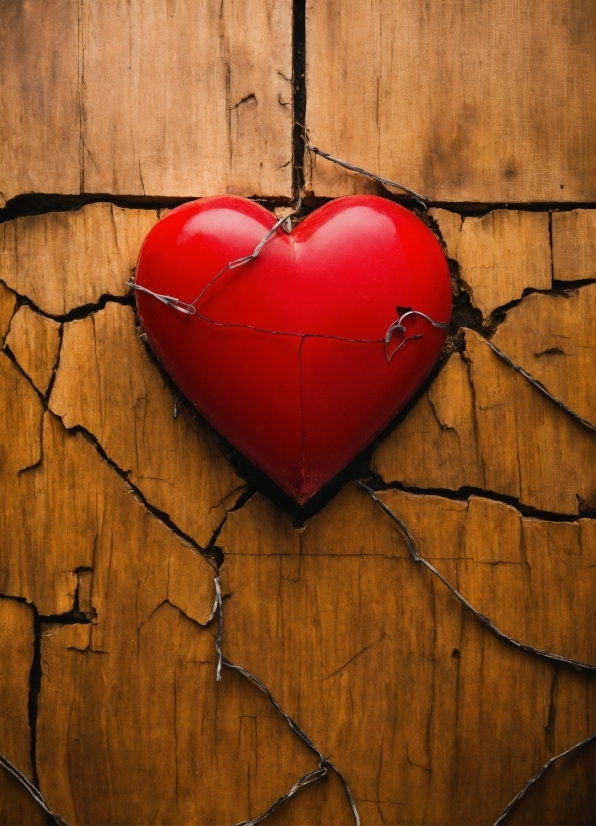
(16, 657)
(491, 429)
(151, 715)
(574, 244)
(449, 225)
(554, 800)
(178, 101)
(83, 255)
(405, 692)
(500, 254)
(461, 101)
(107, 384)
(34, 340)
(39, 98)
(533, 578)
(561, 352)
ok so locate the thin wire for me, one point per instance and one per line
(324, 766)
(538, 775)
(415, 554)
(32, 790)
(316, 151)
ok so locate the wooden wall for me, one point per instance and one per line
(115, 513)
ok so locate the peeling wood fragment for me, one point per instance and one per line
(491, 429)
(412, 740)
(107, 384)
(16, 657)
(8, 303)
(450, 224)
(436, 98)
(561, 351)
(65, 260)
(574, 244)
(502, 254)
(34, 340)
(20, 434)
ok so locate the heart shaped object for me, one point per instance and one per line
(299, 357)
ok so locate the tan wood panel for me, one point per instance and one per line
(384, 670)
(16, 658)
(462, 101)
(107, 384)
(500, 254)
(574, 244)
(34, 340)
(483, 425)
(39, 98)
(146, 97)
(561, 350)
(8, 302)
(64, 260)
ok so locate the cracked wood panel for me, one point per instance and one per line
(64, 260)
(115, 727)
(39, 98)
(398, 684)
(561, 351)
(574, 244)
(483, 425)
(467, 101)
(554, 799)
(64, 509)
(500, 254)
(34, 340)
(16, 647)
(534, 579)
(146, 97)
(107, 384)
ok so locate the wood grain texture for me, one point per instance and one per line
(8, 303)
(500, 254)
(146, 98)
(34, 340)
(574, 244)
(385, 671)
(449, 225)
(82, 255)
(39, 98)
(107, 384)
(561, 351)
(554, 798)
(489, 102)
(16, 645)
(483, 425)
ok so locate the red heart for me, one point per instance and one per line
(269, 357)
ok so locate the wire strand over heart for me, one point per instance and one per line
(190, 308)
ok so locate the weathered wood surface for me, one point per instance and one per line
(146, 98)
(561, 350)
(130, 412)
(483, 425)
(16, 645)
(489, 102)
(65, 260)
(34, 340)
(385, 670)
(574, 244)
(499, 255)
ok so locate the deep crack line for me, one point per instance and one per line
(32, 790)
(538, 775)
(415, 554)
(324, 765)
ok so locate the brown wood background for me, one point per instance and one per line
(113, 511)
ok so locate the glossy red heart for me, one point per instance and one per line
(286, 355)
